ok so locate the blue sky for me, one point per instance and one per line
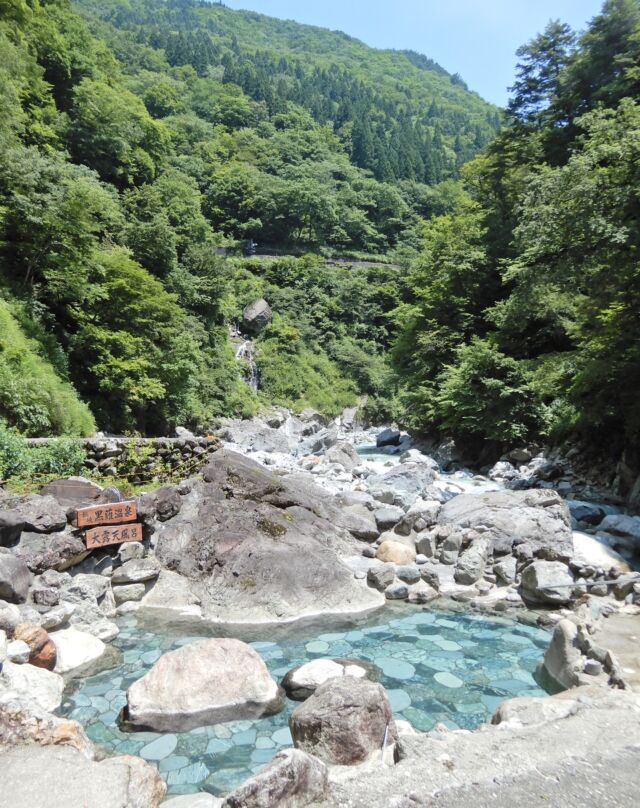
(476, 38)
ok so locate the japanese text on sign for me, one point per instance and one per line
(102, 536)
(109, 514)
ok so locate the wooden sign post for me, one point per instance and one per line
(113, 513)
(102, 536)
(109, 523)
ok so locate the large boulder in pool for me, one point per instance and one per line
(204, 683)
(538, 518)
(292, 779)
(346, 721)
(251, 547)
(303, 681)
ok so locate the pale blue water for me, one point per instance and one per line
(437, 666)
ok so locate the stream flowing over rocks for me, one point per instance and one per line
(348, 592)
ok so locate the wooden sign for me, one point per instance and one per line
(113, 513)
(102, 536)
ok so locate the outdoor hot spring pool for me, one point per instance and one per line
(437, 666)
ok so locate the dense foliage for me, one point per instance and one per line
(141, 140)
(137, 139)
(333, 334)
(526, 296)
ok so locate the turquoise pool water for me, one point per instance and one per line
(437, 666)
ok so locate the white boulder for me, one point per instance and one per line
(76, 650)
(203, 683)
(38, 685)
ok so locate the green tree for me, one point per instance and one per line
(133, 356)
(112, 132)
(486, 395)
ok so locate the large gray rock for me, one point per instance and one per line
(344, 454)
(538, 517)
(77, 651)
(42, 687)
(471, 564)
(258, 548)
(57, 551)
(506, 570)
(589, 551)
(529, 711)
(14, 579)
(381, 576)
(388, 437)
(42, 514)
(547, 582)
(620, 524)
(22, 721)
(72, 492)
(167, 503)
(359, 521)
(587, 512)
(206, 682)
(256, 436)
(136, 571)
(303, 681)
(256, 316)
(11, 526)
(293, 779)
(62, 777)
(128, 592)
(10, 617)
(346, 721)
(563, 660)
(401, 485)
(387, 518)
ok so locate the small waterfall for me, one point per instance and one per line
(245, 352)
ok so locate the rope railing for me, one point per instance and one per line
(628, 578)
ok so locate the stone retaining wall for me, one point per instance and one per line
(143, 459)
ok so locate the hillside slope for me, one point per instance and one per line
(399, 114)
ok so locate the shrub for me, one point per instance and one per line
(486, 394)
(33, 397)
(59, 457)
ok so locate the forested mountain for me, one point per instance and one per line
(525, 318)
(398, 114)
(136, 139)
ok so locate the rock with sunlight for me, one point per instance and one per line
(256, 316)
(202, 683)
(346, 721)
(302, 682)
(253, 548)
(537, 518)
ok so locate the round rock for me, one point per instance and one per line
(204, 683)
(344, 722)
(302, 682)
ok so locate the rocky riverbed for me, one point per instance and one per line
(296, 546)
